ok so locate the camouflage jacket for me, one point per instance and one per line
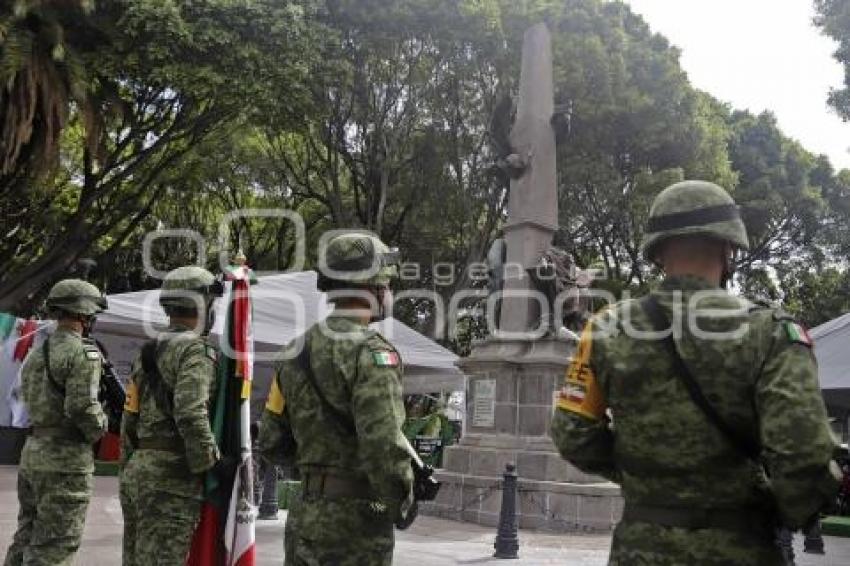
(187, 365)
(360, 374)
(69, 404)
(624, 414)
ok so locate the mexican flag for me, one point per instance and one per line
(225, 534)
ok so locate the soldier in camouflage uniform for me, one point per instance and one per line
(166, 440)
(335, 410)
(692, 496)
(60, 384)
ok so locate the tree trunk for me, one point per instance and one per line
(25, 283)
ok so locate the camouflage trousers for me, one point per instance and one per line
(161, 504)
(645, 544)
(338, 533)
(51, 518)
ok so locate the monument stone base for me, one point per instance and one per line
(510, 399)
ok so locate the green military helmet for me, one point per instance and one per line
(182, 287)
(76, 296)
(359, 259)
(693, 208)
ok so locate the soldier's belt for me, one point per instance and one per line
(58, 433)
(328, 486)
(164, 443)
(739, 520)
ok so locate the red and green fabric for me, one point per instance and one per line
(225, 534)
(797, 333)
(7, 325)
(385, 358)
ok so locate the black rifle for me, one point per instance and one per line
(425, 486)
(111, 392)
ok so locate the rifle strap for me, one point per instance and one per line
(153, 377)
(661, 323)
(342, 420)
(57, 387)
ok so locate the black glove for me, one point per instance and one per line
(403, 523)
(225, 468)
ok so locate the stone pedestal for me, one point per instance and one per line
(510, 398)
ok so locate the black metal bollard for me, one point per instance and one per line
(507, 541)
(813, 541)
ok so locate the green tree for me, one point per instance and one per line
(833, 17)
(817, 296)
(637, 125)
(778, 191)
(179, 75)
(42, 45)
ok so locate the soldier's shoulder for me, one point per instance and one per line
(382, 351)
(760, 303)
(67, 345)
(210, 348)
(778, 322)
(178, 345)
(183, 339)
(343, 333)
(612, 312)
(90, 350)
(376, 340)
(766, 310)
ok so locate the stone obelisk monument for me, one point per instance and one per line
(513, 376)
(533, 201)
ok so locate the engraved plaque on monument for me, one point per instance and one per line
(484, 403)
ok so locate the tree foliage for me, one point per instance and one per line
(378, 114)
(833, 17)
(175, 75)
(41, 49)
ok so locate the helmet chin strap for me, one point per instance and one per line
(209, 318)
(385, 303)
(88, 325)
(728, 268)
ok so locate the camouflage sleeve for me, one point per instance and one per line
(81, 388)
(130, 417)
(797, 443)
(275, 442)
(192, 385)
(580, 428)
(379, 415)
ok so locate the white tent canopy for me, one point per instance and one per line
(284, 307)
(832, 350)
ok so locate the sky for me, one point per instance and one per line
(759, 55)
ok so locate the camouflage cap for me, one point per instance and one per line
(693, 208)
(182, 287)
(77, 297)
(358, 258)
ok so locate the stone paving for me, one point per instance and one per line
(430, 542)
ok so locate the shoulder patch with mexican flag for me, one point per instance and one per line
(797, 334)
(385, 358)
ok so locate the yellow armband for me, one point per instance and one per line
(276, 402)
(131, 400)
(581, 393)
